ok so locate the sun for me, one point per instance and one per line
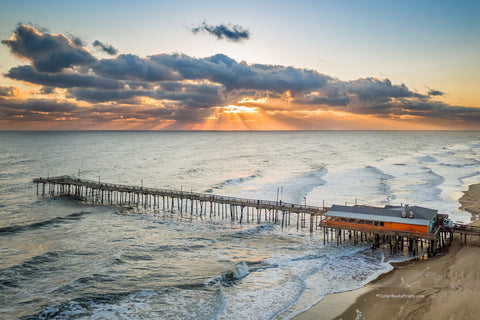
(239, 109)
(241, 117)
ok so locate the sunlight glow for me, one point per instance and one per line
(239, 109)
(149, 101)
(250, 100)
(234, 117)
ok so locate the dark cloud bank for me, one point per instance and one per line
(187, 89)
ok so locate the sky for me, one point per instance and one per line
(239, 65)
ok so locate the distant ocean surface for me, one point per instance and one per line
(63, 259)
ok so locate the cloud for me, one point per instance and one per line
(218, 68)
(433, 92)
(37, 110)
(40, 105)
(129, 66)
(357, 94)
(105, 47)
(181, 94)
(61, 80)
(8, 91)
(47, 90)
(373, 89)
(228, 32)
(65, 111)
(47, 52)
(77, 41)
(440, 110)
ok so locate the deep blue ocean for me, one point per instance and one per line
(64, 259)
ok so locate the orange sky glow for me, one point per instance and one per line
(248, 114)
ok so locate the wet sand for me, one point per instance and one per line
(443, 287)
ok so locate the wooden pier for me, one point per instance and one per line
(186, 204)
(203, 205)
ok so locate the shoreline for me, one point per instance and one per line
(442, 287)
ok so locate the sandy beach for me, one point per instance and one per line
(443, 287)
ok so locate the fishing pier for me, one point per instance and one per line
(186, 204)
(338, 223)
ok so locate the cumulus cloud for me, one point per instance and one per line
(77, 41)
(228, 32)
(40, 105)
(47, 52)
(8, 91)
(47, 90)
(185, 89)
(107, 48)
(129, 66)
(218, 68)
(61, 80)
(194, 96)
(373, 89)
(358, 94)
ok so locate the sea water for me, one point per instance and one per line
(61, 258)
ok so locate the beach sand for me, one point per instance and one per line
(443, 287)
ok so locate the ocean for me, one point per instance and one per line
(64, 259)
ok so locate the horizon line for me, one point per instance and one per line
(183, 130)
